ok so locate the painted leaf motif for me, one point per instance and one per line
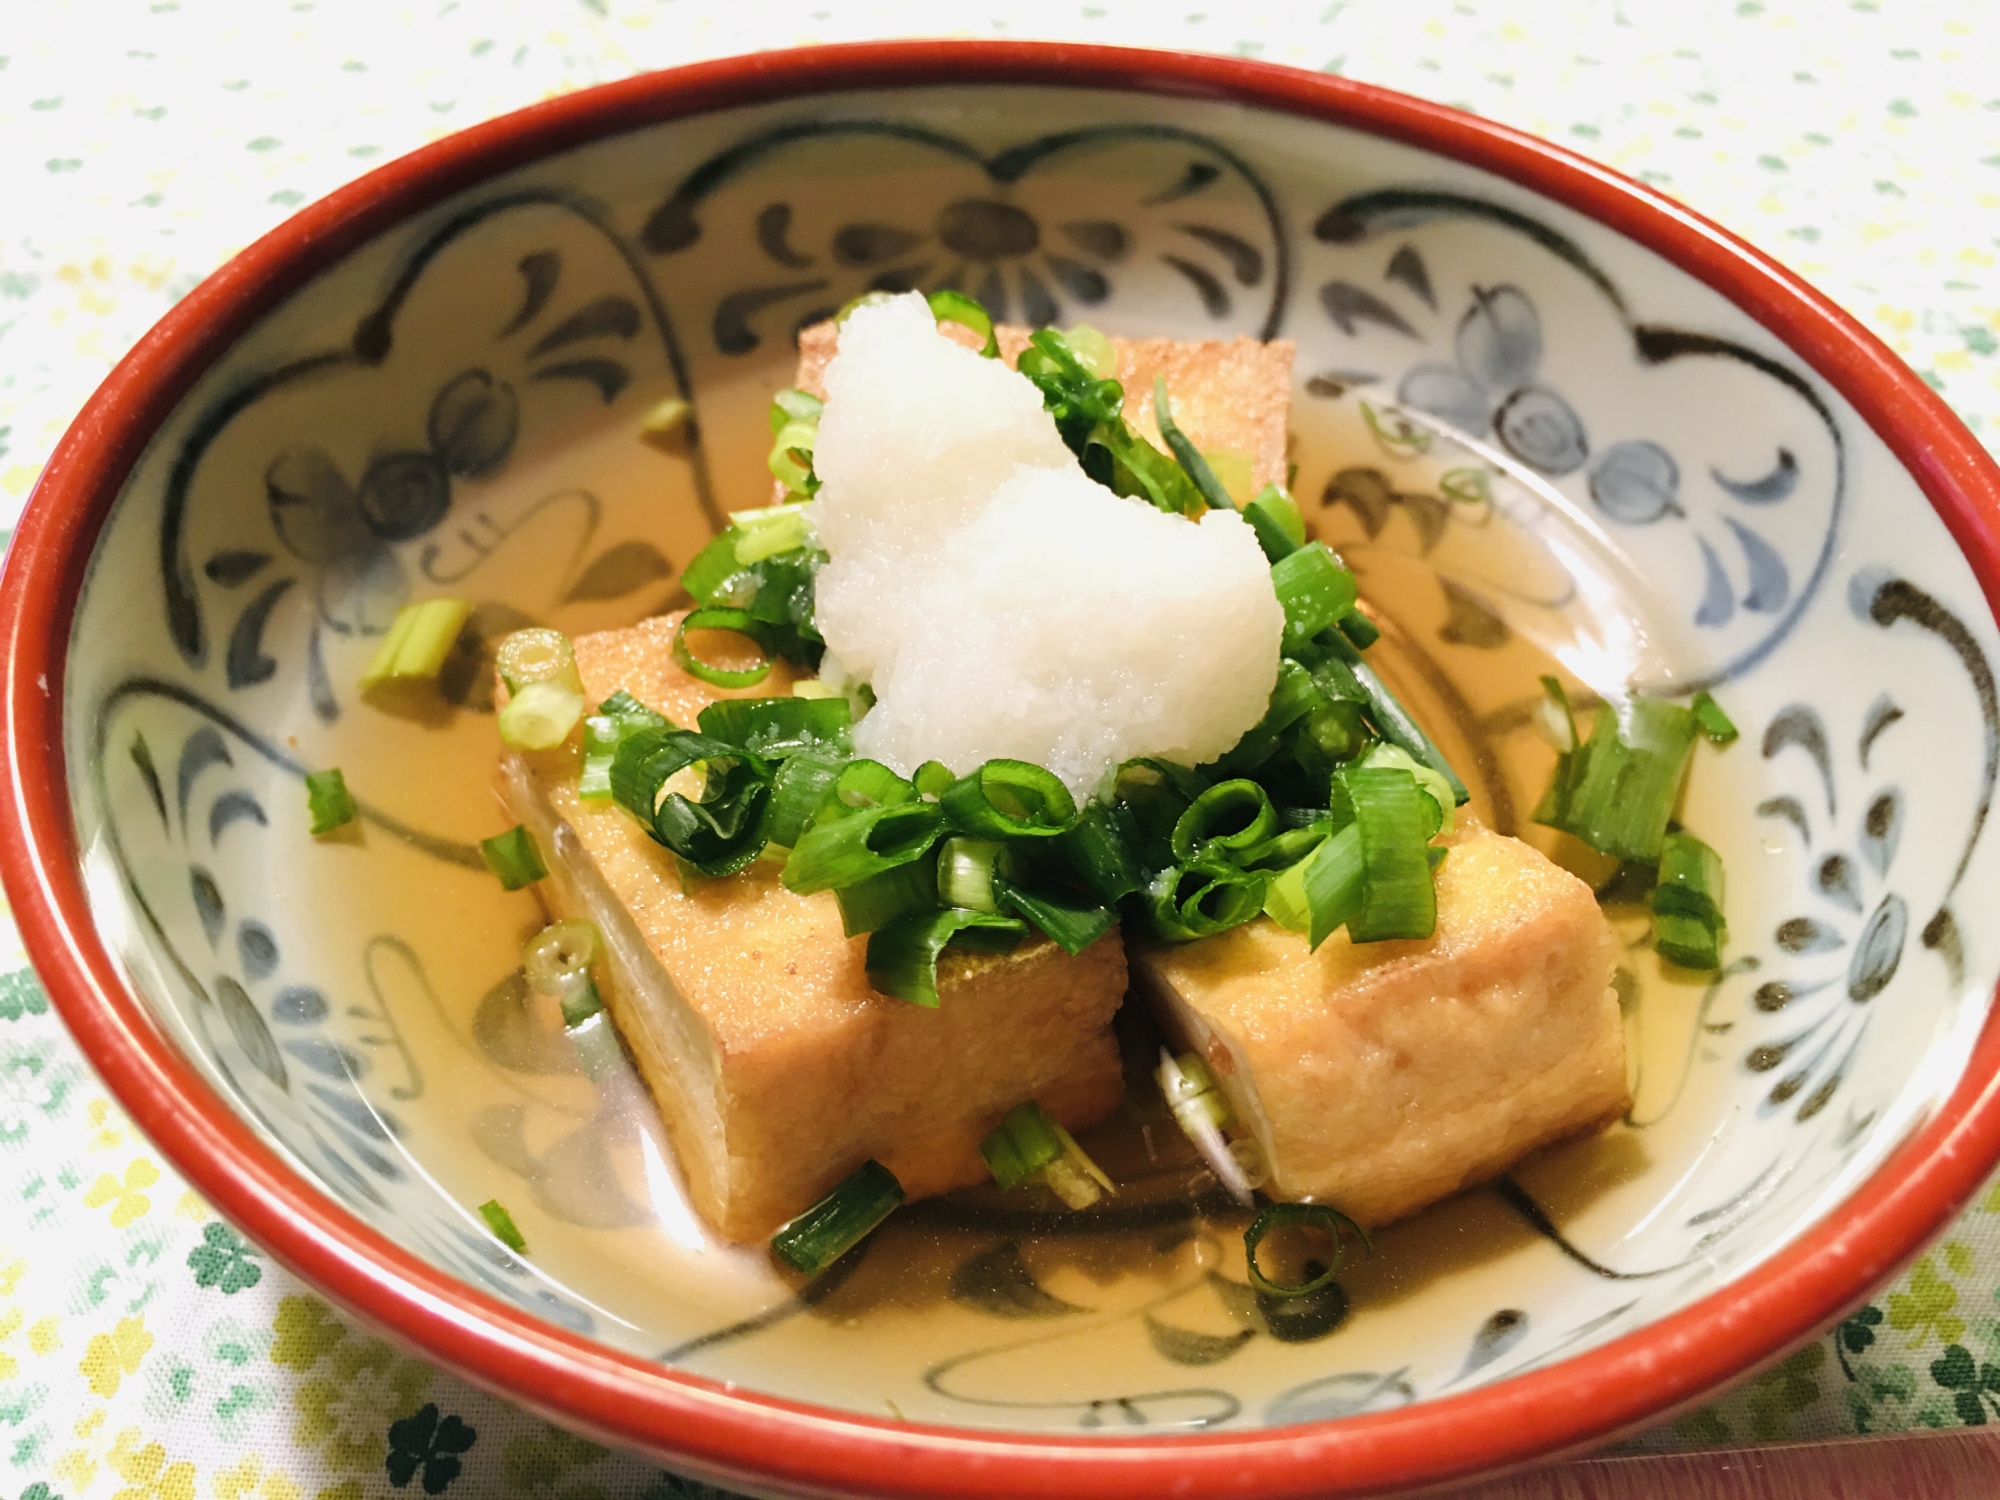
(617, 572)
(1185, 1346)
(998, 1282)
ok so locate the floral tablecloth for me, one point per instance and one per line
(145, 1349)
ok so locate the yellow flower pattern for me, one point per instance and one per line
(126, 1199)
(1854, 139)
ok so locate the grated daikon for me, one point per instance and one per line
(998, 600)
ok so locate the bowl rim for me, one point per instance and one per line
(713, 1427)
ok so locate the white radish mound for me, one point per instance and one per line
(999, 601)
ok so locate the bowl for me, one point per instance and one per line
(1554, 421)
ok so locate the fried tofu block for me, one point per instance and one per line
(776, 1068)
(1232, 395)
(1380, 1077)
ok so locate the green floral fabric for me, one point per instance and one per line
(146, 1350)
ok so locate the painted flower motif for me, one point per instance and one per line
(428, 1444)
(351, 533)
(1008, 232)
(1492, 385)
(223, 1260)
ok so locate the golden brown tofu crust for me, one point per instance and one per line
(1381, 1077)
(777, 1068)
(1233, 395)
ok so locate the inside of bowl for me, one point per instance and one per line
(1541, 448)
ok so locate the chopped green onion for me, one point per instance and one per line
(617, 717)
(540, 716)
(1686, 941)
(1397, 758)
(1151, 795)
(1333, 884)
(1029, 1143)
(965, 873)
(839, 1221)
(668, 425)
(1197, 1119)
(556, 956)
(1071, 922)
(1225, 820)
(902, 958)
(778, 727)
(1295, 696)
(1093, 350)
(723, 831)
(933, 778)
(502, 1224)
(794, 405)
(876, 901)
(710, 618)
(538, 655)
(861, 785)
(328, 800)
(1553, 719)
(1687, 903)
(1396, 820)
(829, 856)
(419, 639)
(790, 462)
(1101, 857)
(1009, 799)
(1314, 589)
(1194, 1088)
(1690, 880)
(1020, 1145)
(866, 299)
(1088, 411)
(711, 574)
(1344, 663)
(513, 857)
(556, 963)
(1185, 453)
(1285, 899)
(771, 530)
(1204, 897)
(812, 687)
(1286, 848)
(1618, 789)
(1235, 472)
(1274, 516)
(1359, 629)
(1716, 724)
(801, 785)
(1328, 1220)
(956, 307)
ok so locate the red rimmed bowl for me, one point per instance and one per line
(1549, 416)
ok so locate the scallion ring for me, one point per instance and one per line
(538, 655)
(956, 307)
(737, 620)
(1328, 1220)
(1228, 819)
(1010, 799)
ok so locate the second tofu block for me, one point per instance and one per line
(777, 1069)
(1381, 1077)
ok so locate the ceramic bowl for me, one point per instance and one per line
(1554, 421)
